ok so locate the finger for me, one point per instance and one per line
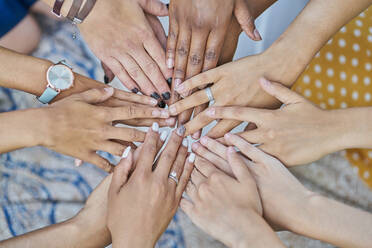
(197, 178)
(170, 122)
(191, 190)
(280, 92)
(187, 207)
(134, 112)
(125, 143)
(246, 20)
(171, 43)
(134, 98)
(213, 48)
(111, 147)
(198, 110)
(194, 100)
(169, 154)
(154, 7)
(179, 162)
(96, 95)
(222, 127)
(197, 123)
(210, 156)
(78, 162)
(185, 116)
(158, 29)
(254, 153)
(118, 69)
(214, 146)
(237, 113)
(238, 166)
(187, 170)
(250, 126)
(109, 75)
(125, 134)
(148, 151)
(205, 167)
(196, 55)
(121, 173)
(182, 53)
(94, 158)
(200, 80)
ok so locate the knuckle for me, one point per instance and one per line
(204, 189)
(172, 35)
(133, 72)
(210, 55)
(179, 73)
(195, 59)
(150, 66)
(215, 177)
(182, 51)
(131, 110)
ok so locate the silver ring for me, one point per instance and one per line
(173, 176)
(208, 91)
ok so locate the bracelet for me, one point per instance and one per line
(88, 6)
(76, 5)
(76, 14)
(57, 7)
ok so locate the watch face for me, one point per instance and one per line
(60, 77)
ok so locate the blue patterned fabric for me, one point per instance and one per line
(39, 187)
(12, 12)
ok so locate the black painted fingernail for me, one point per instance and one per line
(169, 81)
(167, 5)
(106, 79)
(155, 96)
(166, 96)
(161, 104)
(135, 90)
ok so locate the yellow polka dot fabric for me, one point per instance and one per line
(340, 76)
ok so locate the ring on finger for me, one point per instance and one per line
(209, 93)
(173, 176)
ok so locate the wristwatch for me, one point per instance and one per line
(60, 77)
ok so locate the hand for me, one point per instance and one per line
(227, 208)
(78, 127)
(288, 133)
(141, 207)
(284, 198)
(134, 55)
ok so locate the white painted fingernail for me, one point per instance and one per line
(155, 127)
(109, 90)
(163, 135)
(126, 152)
(164, 113)
(185, 142)
(192, 158)
(78, 162)
(153, 102)
(170, 63)
(156, 113)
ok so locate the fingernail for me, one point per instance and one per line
(196, 135)
(153, 102)
(109, 90)
(257, 35)
(161, 104)
(155, 127)
(167, 5)
(204, 140)
(192, 158)
(195, 146)
(164, 113)
(170, 63)
(170, 121)
(156, 113)
(227, 136)
(169, 81)
(264, 82)
(172, 110)
(106, 79)
(155, 96)
(166, 95)
(126, 152)
(135, 90)
(179, 86)
(211, 112)
(163, 135)
(78, 162)
(185, 142)
(231, 149)
(181, 131)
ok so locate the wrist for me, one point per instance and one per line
(38, 120)
(122, 240)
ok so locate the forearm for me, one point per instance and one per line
(315, 25)
(66, 234)
(335, 223)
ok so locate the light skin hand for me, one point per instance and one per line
(146, 202)
(220, 203)
(92, 126)
(135, 56)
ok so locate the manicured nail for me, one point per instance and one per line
(169, 81)
(195, 146)
(264, 82)
(204, 140)
(153, 102)
(166, 95)
(106, 79)
(185, 142)
(257, 35)
(164, 114)
(161, 104)
(170, 63)
(78, 162)
(170, 121)
(126, 152)
(135, 90)
(196, 135)
(227, 136)
(211, 112)
(179, 86)
(167, 5)
(156, 113)
(181, 131)
(109, 90)
(155, 96)
(172, 110)
(192, 158)
(164, 135)
(155, 127)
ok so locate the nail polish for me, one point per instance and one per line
(78, 162)
(211, 112)
(126, 152)
(156, 113)
(167, 5)
(170, 63)
(166, 96)
(155, 96)
(109, 90)
(170, 121)
(169, 81)
(177, 85)
(135, 90)
(164, 114)
(155, 127)
(106, 79)
(181, 131)
(163, 135)
(161, 104)
(185, 142)
(204, 140)
(192, 158)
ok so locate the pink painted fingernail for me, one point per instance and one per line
(257, 35)
(227, 135)
(170, 63)
(204, 140)
(211, 112)
(178, 85)
(109, 90)
(195, 146)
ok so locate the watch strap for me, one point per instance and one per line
(57, 7)
(74, 10)
(48, 95)
(88, 6)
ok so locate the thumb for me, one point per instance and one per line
(96, 95)
(121, 172)
(280, 92)
(246, 20)
(154, 7)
